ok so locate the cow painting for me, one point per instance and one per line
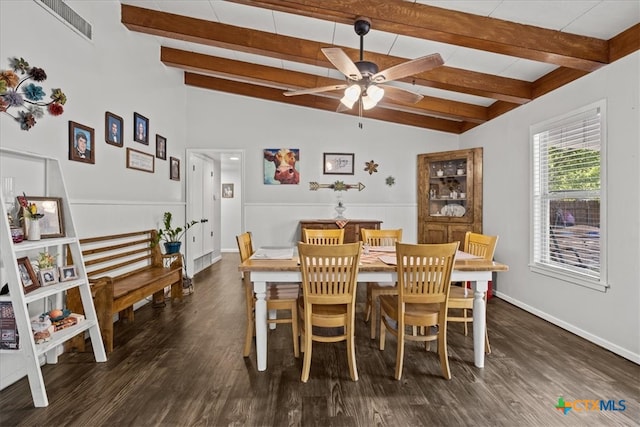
(280, 166)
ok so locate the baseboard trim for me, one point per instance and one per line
(623, 352)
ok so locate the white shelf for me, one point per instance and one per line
(64, 335)
(28, 245)
(28, 353)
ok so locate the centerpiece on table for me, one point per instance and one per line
(171, 236)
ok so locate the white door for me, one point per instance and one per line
(208, 213)
(194, 211)
(200, 207)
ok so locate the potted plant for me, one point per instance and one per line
(172, 236)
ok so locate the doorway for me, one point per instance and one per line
(225, 196)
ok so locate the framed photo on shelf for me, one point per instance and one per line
(174, 169)
(161, 147)
(113, 129)
(52, 223)
(68, 272)
(338, 164)
(27, 275)
(82, 147)
(47, 276)
(140, 129)
(140, 160)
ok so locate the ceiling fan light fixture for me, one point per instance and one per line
(368, 102)
(375, 92)
(351, 95)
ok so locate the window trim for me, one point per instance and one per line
(600, 284)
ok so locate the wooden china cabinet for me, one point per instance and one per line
(449, 195)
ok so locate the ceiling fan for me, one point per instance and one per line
(364, 82)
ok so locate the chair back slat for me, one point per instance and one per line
(480, 245)
(329, 272)
(424, 271)
(373, 237)
(323, 237)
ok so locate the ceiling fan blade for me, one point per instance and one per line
(342, 62)
(315, 90)
(394, 93)
(408, 68)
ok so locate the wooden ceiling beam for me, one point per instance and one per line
(457, 28)
(305, 51)
(288, 80)
(318, 102)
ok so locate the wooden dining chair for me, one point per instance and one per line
(329, 274)
(375, 289)
(461, 298)
(424, 279)
(323, 237)
(283, 297)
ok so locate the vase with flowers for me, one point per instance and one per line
(31, 217)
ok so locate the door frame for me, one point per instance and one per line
(219, 156)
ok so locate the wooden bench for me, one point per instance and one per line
(123, 269)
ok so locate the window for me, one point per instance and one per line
(568, 193)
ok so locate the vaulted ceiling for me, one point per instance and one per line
(498, 54)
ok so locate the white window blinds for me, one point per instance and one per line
(566, 194)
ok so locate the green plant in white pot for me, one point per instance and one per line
(171, 236)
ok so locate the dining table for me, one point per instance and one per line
(281, 265)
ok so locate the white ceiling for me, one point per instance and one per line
(602, 19)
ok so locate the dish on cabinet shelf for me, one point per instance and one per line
(453, 210)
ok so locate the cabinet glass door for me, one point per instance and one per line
(448, 188)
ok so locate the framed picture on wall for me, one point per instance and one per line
(140, 160)
(140, 129)
(281, 166)
(174, 168)
(227, 191)
(337, 164)
(113, 129)
(161, 147)
(81, 143)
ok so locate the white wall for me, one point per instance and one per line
(272, 212)
(610, 319)
(119, 71)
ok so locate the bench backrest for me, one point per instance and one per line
(120, 255)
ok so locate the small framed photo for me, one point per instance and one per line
(82, 147)
(338, 164)
(161, 147)
(140, 129)
(52, 223)
(113, 129)
(174, 169)
(140, 160)
(68, 272)
(48, 276)
(227, 191)
(27, 275)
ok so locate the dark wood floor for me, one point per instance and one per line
(183, 366)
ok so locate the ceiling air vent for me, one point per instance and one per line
(60, 10)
